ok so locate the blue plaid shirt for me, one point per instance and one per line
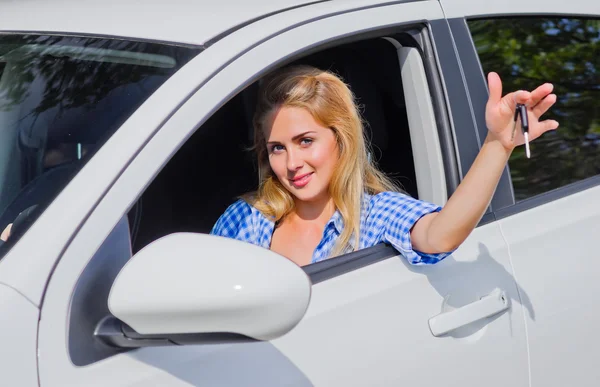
(385, 217)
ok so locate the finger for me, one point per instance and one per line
(495, 87)
(544, 126)
(511, 100)
(543, 106)
(540, 93)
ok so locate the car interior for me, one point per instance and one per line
(60, 99)
(215, 166)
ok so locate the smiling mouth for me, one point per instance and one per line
(302, 180)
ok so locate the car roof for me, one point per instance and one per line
(182, 21)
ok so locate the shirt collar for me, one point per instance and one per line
(337, 221)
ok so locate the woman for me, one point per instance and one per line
(320, 195)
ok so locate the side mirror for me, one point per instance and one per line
(189, 288)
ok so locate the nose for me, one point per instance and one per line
(294, 160)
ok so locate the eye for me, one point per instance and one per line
(306, 141)
(276, 149)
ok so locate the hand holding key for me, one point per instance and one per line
(501, 113)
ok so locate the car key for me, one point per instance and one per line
(521, 111)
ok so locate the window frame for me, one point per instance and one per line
(423, 34)
(503, 202)
(471, 133)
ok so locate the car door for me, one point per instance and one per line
(370, 317)
(550, 216)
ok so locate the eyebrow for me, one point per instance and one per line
(293, 138)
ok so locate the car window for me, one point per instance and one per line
(183, 196)
(527, 52)
(61, 97)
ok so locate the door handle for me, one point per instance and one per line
(487, 306)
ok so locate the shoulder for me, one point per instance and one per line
(390, 198)
(394, 203)
(239, 210)
(236, 217)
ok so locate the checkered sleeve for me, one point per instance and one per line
(236, 223)
(399, 213)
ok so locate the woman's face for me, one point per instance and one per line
(302, 153)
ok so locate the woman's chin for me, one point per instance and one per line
(308, 196)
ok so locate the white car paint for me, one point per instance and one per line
(180, 21)
(469, 8)
(219, 286)
(554, 253)
(338, 332)
(336, 342)
(18, 335)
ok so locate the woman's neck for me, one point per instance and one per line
(318, 210)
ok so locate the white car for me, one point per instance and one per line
(124, 134)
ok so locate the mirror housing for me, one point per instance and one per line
(198, 285)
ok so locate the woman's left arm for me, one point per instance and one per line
(446, 230)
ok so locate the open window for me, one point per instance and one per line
(214, 167)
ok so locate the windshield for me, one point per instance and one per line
(61, 98)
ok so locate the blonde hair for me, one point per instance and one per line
(331, 103)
